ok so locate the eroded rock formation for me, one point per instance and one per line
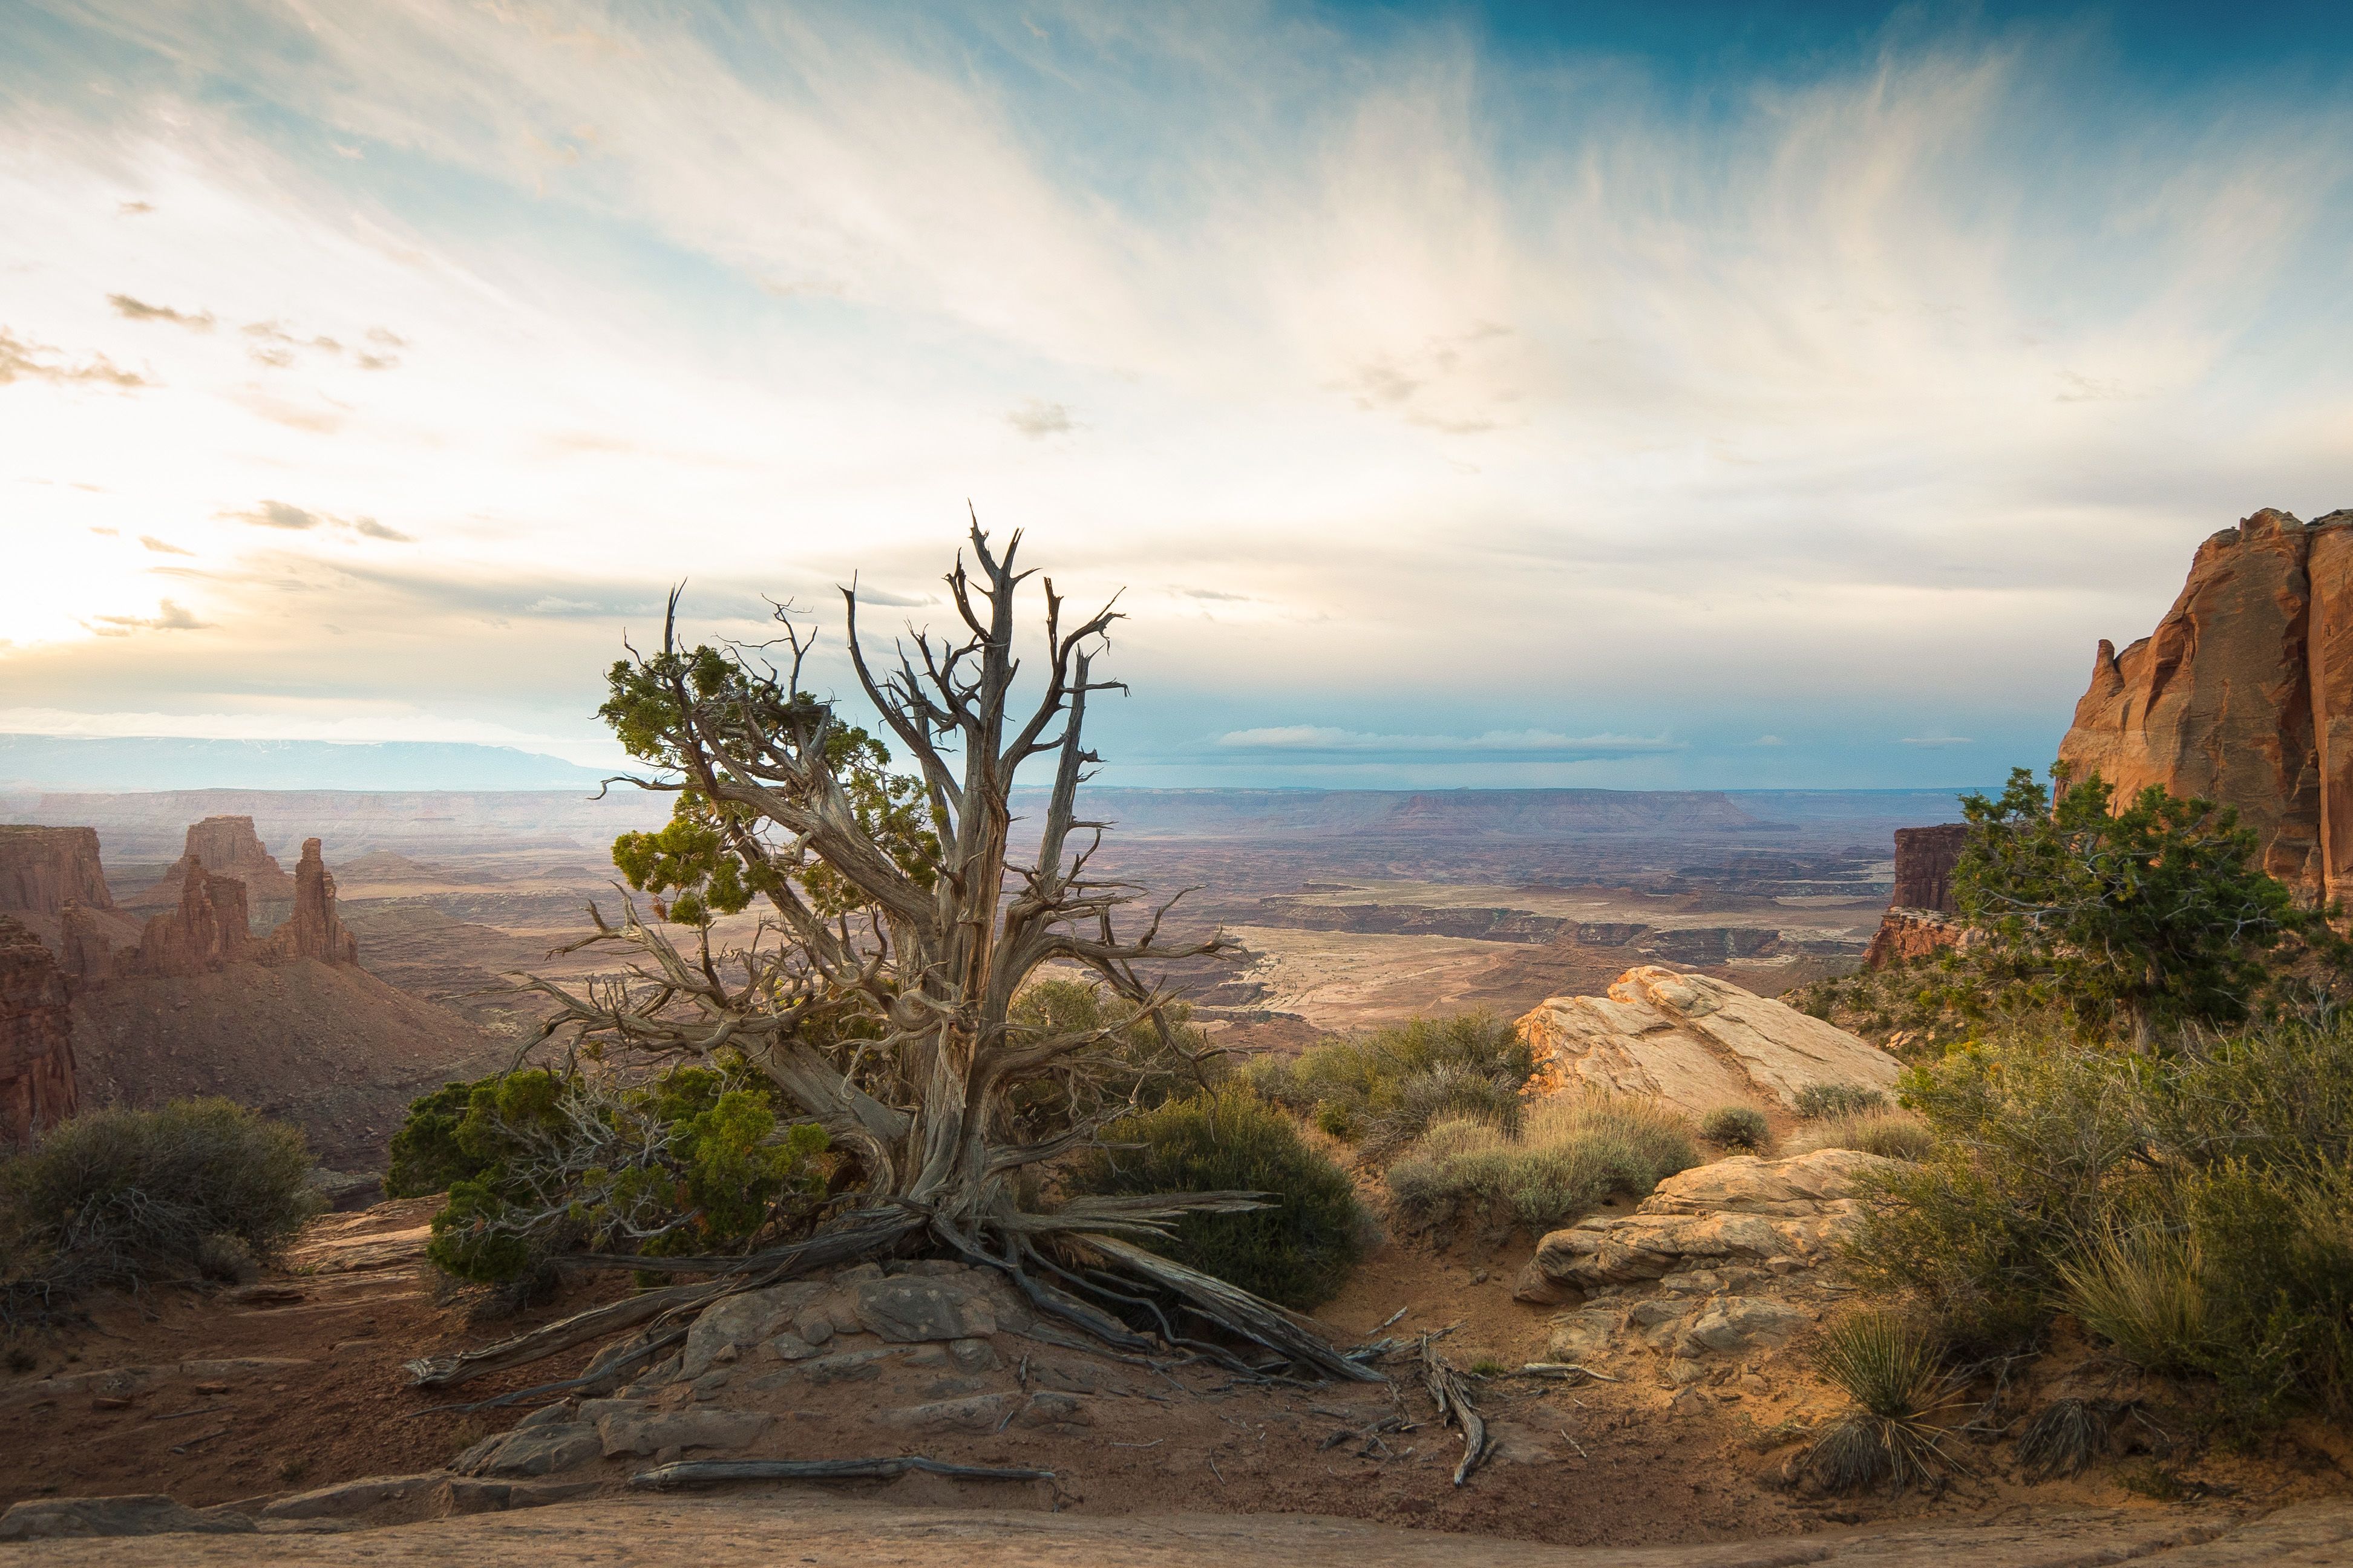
(207, 930)
(2244, 695)
(312, 932)
(226, 847)
(43, 869)
(1918, 922)
(1694, 1041)
(1925, 858)
(37, 1060)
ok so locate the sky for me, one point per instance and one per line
(1638, 396)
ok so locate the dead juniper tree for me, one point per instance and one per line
(898, 925)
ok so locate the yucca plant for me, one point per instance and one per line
(2142, 1292)
(1894, 1370)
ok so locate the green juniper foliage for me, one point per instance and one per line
(2153, 914)
(691, 1162)
(697, 866)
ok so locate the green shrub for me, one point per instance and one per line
(128, 1198)
(693, 1161)
(1572, 1153)
(1298, 1252)
(1894, 1372)
(1387, 1087)
(2227, 1160)
(1893, 1135)
(1734, 1127)
(1830, 1101)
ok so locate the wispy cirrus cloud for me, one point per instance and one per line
(1448, 368)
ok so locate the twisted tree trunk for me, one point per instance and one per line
(897, 929)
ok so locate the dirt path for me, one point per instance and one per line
(784, 1527)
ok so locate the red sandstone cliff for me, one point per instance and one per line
(226, 847)
(2244, 695)
(43, 868)
(37, 1060)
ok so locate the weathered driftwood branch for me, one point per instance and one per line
(1453, 1401)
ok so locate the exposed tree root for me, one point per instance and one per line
(717, 1472)
(448, 1371)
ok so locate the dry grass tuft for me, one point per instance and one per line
(1571, 1151)
(2142, 1292)
(1894, 1134)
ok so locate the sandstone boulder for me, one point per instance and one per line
(37, 1057)
(1740, 1211)
(344, 1498)
(532, 1450)
(646, 1432)
(2244, 695)
(743, 1320)
(1695, 1042)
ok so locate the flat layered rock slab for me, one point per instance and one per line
(758, 1530)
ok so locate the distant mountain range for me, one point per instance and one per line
(141, 762)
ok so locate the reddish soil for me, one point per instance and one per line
(322, 1397)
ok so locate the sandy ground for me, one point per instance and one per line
(788, 1526)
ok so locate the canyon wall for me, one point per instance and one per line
(2243, 695)
(37, 1060)
(43, 869)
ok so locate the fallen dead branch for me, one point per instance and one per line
(718, 1472)
(1445, 1386)
(1562, 1372)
